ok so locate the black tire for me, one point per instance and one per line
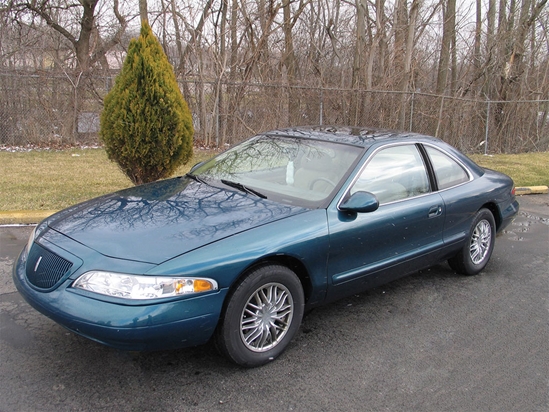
(261, 316)
(477, 250)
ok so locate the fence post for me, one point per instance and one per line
(216, 115)
(412, 111)
(75, 107)
(439, 116)
(487, 128)
(321, 105)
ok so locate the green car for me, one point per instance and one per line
(239, 248)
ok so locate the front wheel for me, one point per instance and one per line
(262, 316)
(478, 248)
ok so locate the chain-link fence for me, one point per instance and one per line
(45, 109)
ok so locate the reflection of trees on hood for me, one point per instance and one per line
(199, 210)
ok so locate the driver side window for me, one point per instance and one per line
(394, 173)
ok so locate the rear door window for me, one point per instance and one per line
(448, 172)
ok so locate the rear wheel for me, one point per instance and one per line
(476, 252)
(262, 316)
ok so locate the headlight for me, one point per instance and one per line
(141, 287)
(31, 239)
(36, 232)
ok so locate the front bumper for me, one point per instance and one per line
(167, 324)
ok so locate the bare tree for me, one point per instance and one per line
(359, 67)
(289, 60)
(513, 67)
(143, 11)
(76, 23)
(448, 41)
(81, 31)
(407, 75)
(249, 65)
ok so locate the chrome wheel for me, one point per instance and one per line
(266, 317)
(481, 240)
(477, 249)
(262, 315)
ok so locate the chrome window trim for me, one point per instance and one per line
(414, 143)
(382, 147)
(455, 159)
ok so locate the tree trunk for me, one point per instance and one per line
(180, 68)
(407, 76)
(143, 11)
(448, 34)
(233, 62)
(359, 63)
(289, 61)
(400, 29)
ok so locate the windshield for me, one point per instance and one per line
(289, 170)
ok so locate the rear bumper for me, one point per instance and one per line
(508, 214)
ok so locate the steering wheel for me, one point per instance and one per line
(321, 179)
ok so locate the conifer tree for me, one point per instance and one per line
(146, 125)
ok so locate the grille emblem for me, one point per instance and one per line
(45, 268)
(37, 263)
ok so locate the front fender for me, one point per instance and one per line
(303, 237)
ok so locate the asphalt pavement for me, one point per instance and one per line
(434, 341)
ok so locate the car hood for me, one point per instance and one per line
(158, 221)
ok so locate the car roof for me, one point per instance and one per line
(357, 136)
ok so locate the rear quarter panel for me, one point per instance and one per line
(491, 190)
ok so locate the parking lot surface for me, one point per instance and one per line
(434, 341)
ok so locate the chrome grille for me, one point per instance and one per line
(45, 268)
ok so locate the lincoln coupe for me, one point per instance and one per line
(236, 250)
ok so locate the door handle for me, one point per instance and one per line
(435, 211)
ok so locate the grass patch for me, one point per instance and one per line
(53, 180)
(526, 169)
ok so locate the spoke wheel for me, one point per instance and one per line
(481, 240)
(266, 317)
(261, 315)
(478, 248)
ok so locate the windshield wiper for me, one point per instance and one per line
(243, 188)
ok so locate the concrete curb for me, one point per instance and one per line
(532, 190)
(23, 217)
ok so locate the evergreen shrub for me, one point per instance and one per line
(146, 125)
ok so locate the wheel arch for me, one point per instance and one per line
(229, 334)
(492, 207)
(288, 261)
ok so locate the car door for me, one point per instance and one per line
(401, 236)
(456, 186)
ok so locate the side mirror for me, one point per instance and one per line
(360, 202)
